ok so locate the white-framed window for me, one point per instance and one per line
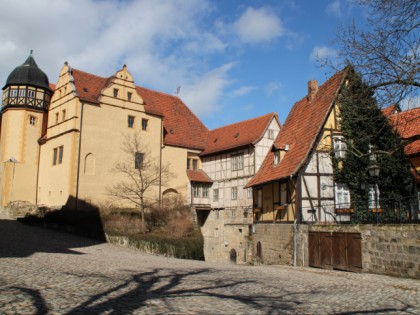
(22, 93)
(373, 195)
(196, 191)
(13, 93)
(58, 155)
(130, 121)
(31, 93)
(276, 157)
(270, 134)
(237, 161)
(342, 196)
(216, 194)
(340, 146)
(234, 193)
(249, 193)
(205, 191)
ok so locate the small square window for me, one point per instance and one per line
(115, 92)
(130, 121)
(144, 123)
(32, 120)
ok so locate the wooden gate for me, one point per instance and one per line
(336, 250)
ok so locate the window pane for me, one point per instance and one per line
(54, 156)
(144, 123)
(60, 155)
(130, 121)
(138, 163)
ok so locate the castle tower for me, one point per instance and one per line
(25, 100)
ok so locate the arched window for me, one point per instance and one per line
(259, 250)
(89, 164)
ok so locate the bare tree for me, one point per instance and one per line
(386, 51)
(141, 171)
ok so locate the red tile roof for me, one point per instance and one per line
(237, 135)
(407, 124)
(182, 127)
(300, 131)
(198, 176)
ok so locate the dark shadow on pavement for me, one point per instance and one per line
(21, 240)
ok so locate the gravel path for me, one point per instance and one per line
(48, 272)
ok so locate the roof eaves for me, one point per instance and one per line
(315, 140)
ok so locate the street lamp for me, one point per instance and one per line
(374, 170)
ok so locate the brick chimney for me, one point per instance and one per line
(312, 89)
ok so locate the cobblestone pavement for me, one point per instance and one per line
(48, 272)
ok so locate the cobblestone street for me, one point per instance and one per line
(48, 272)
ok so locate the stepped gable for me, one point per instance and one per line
(198, 176)
(237, 135)
(182, 127)
(300, 131)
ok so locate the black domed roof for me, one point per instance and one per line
(28, 74)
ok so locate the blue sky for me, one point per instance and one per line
(234, 60)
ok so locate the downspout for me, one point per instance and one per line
(160, 163)
(78, 159)
(294, 243)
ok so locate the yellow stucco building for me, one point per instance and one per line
(60, 144)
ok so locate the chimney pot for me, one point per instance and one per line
(312, 89)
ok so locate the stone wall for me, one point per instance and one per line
(386, 249)
(276, 244)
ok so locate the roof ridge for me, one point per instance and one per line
(91, 74)
(245, 121)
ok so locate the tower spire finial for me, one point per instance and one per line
(31, 51)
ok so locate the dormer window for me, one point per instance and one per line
(115, 92)
(276, 157)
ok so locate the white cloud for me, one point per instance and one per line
(272, 87)
(334, 8)
(323, 52)
(202, 93)
(243, 90)
(258, 25)
(162, 42)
